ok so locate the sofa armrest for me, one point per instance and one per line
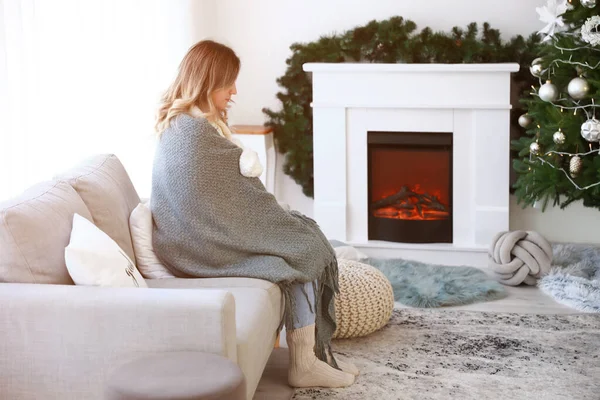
(65, 340)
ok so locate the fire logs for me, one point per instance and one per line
(409, 204)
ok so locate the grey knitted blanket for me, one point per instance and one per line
(211, 221)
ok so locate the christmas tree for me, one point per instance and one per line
(559, 157)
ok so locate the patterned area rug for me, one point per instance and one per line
(437, 354)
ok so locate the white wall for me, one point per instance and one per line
(261, 31)
(576, 223)
(104, 64)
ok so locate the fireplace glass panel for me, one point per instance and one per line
(410, 187)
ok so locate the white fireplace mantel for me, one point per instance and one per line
(472, 101)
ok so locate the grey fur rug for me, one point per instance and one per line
(574, 279)
(422, 285)
(443, 354)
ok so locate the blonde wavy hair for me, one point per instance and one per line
(207, 67)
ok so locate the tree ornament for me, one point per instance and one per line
(525, 120)
(536, 68)
(590, 130)
(588, 3)
(548, 92)
(575, 166)
(580, 70)
(578, 88)
(559, 137)
(590, 30)
(535, 148)
(551, 14)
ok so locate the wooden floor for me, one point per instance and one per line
(522, 299)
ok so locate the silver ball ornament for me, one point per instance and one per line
(559, 137)
(588, 3)
(590, 130)
(535, 148)
(536, 68)
(578, 88)
(525, 120)
(548, 92)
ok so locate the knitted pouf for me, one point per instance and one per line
(519, 257)
(365, 301)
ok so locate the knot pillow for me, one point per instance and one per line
(519, 257)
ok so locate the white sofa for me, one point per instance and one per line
(61, 341)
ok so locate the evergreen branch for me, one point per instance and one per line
(569, 177)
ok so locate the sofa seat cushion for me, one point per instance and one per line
(108, 193)
(35, 228)
(258, 312)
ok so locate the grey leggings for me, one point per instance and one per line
(303, 314)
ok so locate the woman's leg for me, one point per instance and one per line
(304, 297)
(305, 316)
(306, 370)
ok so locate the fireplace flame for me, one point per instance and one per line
(411, 203)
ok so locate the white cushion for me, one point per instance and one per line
(140, 225)
(108, 193)
(35, 227)
(94, 259)
(350, 253)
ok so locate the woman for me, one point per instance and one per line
(214, 218)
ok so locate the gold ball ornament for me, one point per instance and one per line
(559, 137)
(590, 130)
(548, 92)
(575, 166)
(525, 120)
(578, 88)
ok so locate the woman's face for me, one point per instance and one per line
(222, 97)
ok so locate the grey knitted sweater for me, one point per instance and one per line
(211, 221)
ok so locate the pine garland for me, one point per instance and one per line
(394, 40)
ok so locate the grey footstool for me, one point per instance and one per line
(177, 376)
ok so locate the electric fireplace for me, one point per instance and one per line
(412, 160)
(410, 187)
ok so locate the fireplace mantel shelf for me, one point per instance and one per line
(380, 67)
